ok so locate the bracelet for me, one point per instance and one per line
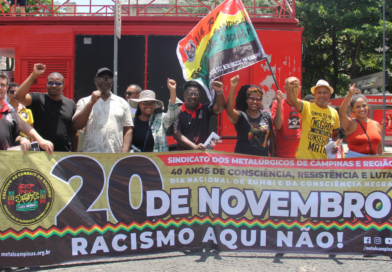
(218, 93)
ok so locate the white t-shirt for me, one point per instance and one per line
(133, 111)
(104, 129)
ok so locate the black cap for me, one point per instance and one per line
(104, 69)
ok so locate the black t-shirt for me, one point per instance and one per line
(52, 119)
(9, 129)
(195, 128)
(253, 134)
(139, 135)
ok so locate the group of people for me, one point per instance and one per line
(295, 128)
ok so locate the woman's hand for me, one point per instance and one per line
(47, 146)
(171, 84)
(25, 144)
(234, 81)
(279, 97)
(352, 91)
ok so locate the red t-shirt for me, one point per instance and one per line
(288, 136)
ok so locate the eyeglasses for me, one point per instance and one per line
(11, 91)
(57, 84)
(193, 94)
(253, 99)
(148, 103)
(128, 93)
(103, 79)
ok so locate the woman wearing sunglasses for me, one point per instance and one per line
(149, 132)
(255, 135)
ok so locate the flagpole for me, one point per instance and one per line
(272, 73)
(385, 74)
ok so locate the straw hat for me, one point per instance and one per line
(323, 83)
(146, 95)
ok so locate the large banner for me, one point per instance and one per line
(222, 42)
(85, 206)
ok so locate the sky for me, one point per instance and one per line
(101, 3)
(87, 2)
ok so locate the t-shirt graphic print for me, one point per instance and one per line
(258, 134)
(253, 134)
(317, 127)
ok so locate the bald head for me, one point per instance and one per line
(57, 75)
(135, 88)
(133, 91)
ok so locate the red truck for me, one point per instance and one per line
(78, 41)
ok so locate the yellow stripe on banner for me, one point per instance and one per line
(200, 49)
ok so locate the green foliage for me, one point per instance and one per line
(36, 7)
(343, 40)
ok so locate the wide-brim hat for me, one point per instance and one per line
(322, 83)
(146, 95)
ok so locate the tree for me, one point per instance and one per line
(36, 6)
(343, 40)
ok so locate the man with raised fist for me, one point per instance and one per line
(51, 110)
(105, 116)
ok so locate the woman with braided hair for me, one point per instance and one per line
(255, 135)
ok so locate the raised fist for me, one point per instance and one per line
(39, 69)
(234, 81)
(171, 84)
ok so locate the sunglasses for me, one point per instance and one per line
(129, 93)
(255, 99)
(148, 103)
(103, 79)
(11, 91)
(57, 84)
(193, 94)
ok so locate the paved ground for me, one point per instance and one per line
(229, 261)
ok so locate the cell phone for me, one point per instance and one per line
(34, 146)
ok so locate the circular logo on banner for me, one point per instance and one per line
(26, 197)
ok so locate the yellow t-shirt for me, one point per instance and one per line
(317, 127)
(27, 116)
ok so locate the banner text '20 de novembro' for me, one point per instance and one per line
(81, 207)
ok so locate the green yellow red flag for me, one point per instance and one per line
(222, 42)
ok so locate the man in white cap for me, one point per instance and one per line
(319, 122)
(105, 116)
